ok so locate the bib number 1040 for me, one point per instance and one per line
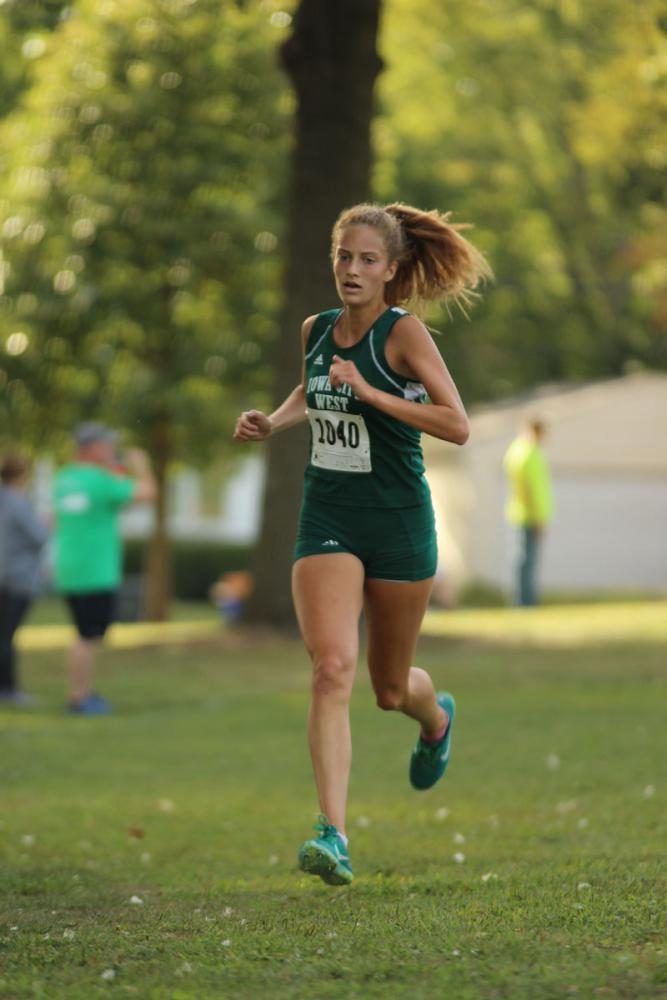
(340, 442)
(336, 432)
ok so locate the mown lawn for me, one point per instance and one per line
(152, 853)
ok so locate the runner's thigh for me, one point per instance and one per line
(328, 598)
(394, 614)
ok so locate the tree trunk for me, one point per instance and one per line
(332, 60)
(158, 569)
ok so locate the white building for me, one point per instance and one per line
(233, 516)
(607, 447)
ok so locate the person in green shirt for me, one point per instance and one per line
(529, 505)
(88, 496)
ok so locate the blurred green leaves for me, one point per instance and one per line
(140, 175)
(544, 125)
(142, 197)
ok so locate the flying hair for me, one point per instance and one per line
(435, 263)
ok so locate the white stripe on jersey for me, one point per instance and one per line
(313, 349)
(413, 390)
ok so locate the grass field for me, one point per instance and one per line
(152, 853)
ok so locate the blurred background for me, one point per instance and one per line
(169, 174)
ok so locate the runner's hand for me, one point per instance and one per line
(252, 425)
(346, 372)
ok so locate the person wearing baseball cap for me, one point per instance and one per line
(88, 433)
(88, 496)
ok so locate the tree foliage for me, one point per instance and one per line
(24, 29)
(138, 219)
(139, 227)
(540, 124)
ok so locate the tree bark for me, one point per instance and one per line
(332, 60)
(158, 568)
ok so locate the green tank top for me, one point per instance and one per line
(360, 457)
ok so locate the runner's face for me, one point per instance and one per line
(361, 267)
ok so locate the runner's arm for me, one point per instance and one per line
(420, 360)
(254, 425)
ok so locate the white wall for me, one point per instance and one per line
(610, 491)
(237, 518)
(609, 532)
(241, 501)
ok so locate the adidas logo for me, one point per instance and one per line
(319, 360)
(330, 541)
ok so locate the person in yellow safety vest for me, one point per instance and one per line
(529, 504)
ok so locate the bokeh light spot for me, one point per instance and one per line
(16, 343)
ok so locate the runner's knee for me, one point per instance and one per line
(332, 673)
(390, 698)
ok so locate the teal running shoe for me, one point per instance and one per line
(326, 855)
(429, 760)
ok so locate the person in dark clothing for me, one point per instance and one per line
(22, 539)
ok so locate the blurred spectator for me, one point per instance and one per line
(22, 539)
(88, 497)
(230, 593)
(529, 505)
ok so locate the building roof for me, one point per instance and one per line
(611, 426)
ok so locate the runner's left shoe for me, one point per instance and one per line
(326, 855)
(429, 760)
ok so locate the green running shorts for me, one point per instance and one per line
(393, 544)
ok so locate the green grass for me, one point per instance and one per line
(53, 611)
(195, 795)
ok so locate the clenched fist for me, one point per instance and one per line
(252, 425)
(346, 373)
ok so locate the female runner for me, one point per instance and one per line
(366, 536)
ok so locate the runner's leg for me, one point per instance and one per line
(328, 597)
(394, 614)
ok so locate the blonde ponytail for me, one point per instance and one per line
(435, 263)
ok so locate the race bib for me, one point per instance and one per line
(340, 441)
